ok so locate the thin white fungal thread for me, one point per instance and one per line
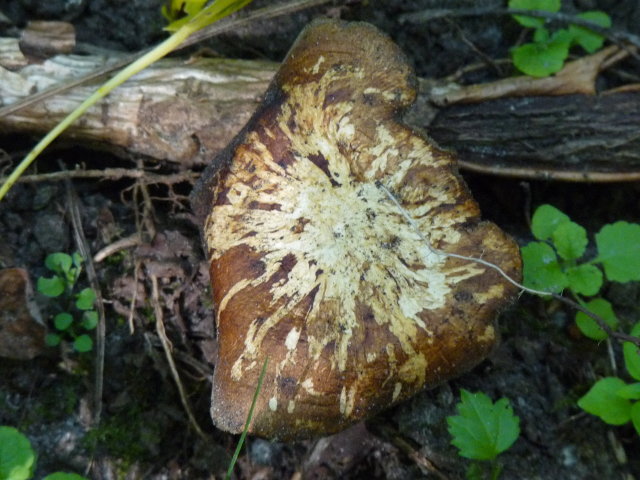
(436, 251)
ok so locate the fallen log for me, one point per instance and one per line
(177, 111)
(186, 111)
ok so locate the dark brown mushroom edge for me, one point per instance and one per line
(314, 268)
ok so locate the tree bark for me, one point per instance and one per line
(186, 112)
(570, 137)
(175, 111)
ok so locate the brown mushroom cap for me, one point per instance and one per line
(313, 267)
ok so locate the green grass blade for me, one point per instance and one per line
(246, 425)
(212, 13)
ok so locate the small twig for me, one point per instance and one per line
(128, 242)
(166, 346)
(85, 252)
(622, 337)
(134, 297)
(202, 371)
(113, 174)
(406, 446)
(148, 212)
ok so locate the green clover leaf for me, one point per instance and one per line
(541, 269)
(85, 299)
(51, 287)
(584, 279)
(545, 220)
(62, 321)
(17, 458)
(542, 59)
(90, 320)
(587, 38)
(630, 392)
(533, 22)
(619, 251)
(58, 262)
(631, 354)
(588, 325)
(570, 240)
(83, 343)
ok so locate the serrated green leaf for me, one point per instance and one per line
(58, 262)
(545, 220)
(570, 240)
(85, 299)
(62, 321)
(587, 38)
(632, 354)
(533, 22)
(482, 429)
(90, 320)
(630, 392)
(17, 458)
(584, 279)
(51, 287)
(603, 402)
(619, 251)
(64, 476)
(588, 326)
(52, 339)
(541, 270)
(635, 416)
(83, 343)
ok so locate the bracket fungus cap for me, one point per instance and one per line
(314, 268)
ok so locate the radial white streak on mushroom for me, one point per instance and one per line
(347, 399)
(241, 285)
(316, 68)
(292, 338)
(307, 385)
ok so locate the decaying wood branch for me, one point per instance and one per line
(186, 111)
(176, 111)
(570, 137)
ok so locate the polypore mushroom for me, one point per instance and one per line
(316, 269)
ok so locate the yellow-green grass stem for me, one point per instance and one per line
(248, 422)
(212, 13)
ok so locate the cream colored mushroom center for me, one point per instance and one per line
(338, 236)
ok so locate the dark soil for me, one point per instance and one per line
(543, 365)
